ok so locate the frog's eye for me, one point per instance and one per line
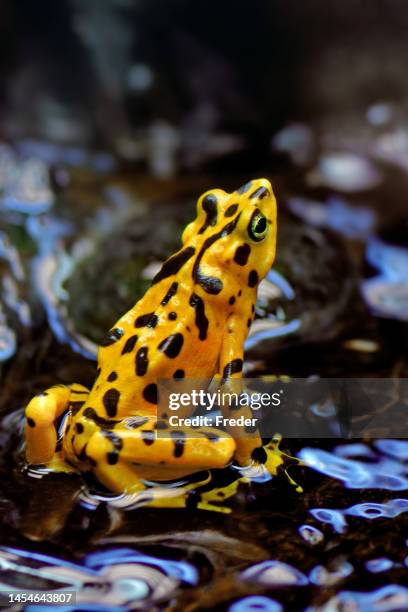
(258, 226)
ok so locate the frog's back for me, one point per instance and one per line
(156, 339)
(177, 329)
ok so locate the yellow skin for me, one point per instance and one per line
(192, 322)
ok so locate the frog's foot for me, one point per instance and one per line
(277, 458)
(268, 460)
(42, 414)
(122, 457)
(212, 498)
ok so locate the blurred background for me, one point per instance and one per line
(114, 116)
(117, 114)
(211, 80)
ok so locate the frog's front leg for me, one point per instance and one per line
(249, 442)
(41, 415)
(121, 457)
(249, 447)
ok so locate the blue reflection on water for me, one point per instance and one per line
(336, 214)
(382, 564)
(383, 473)
(372, 471)
(368, 510)
(394, 448)
(311, 534)
(321, 576)
(255, 603)
(122, 575)
(179, 569)
(274, 573)
(48, 269)
(52, 153)
(273, 332)
(387, 293)
(332, 517)
(391, 598)
(390, 260)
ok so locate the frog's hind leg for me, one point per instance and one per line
(200, 495)
(121, 457)
(41, 415)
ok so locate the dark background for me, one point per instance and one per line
(236, 67)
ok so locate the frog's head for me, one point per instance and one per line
(233, 234)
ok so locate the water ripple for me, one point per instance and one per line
(395, 448)
(247, 604)
(382, 564)
(332, 517)
(311, 534)
(367, 510)
(124, 575)
(321, 576)
(383, 473)
(391, 598)
(387, 293)
(274, 573)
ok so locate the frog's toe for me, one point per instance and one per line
(275, 458)
(41, 414)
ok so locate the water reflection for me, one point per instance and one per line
(311, 534)
(381, 472)
(387, 293)
(274, 574)
(375, 566)
(111, 579)
(321, 576)
(336, 214)
(390, 598)
(248, 604)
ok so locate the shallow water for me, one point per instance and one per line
(342, 544)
